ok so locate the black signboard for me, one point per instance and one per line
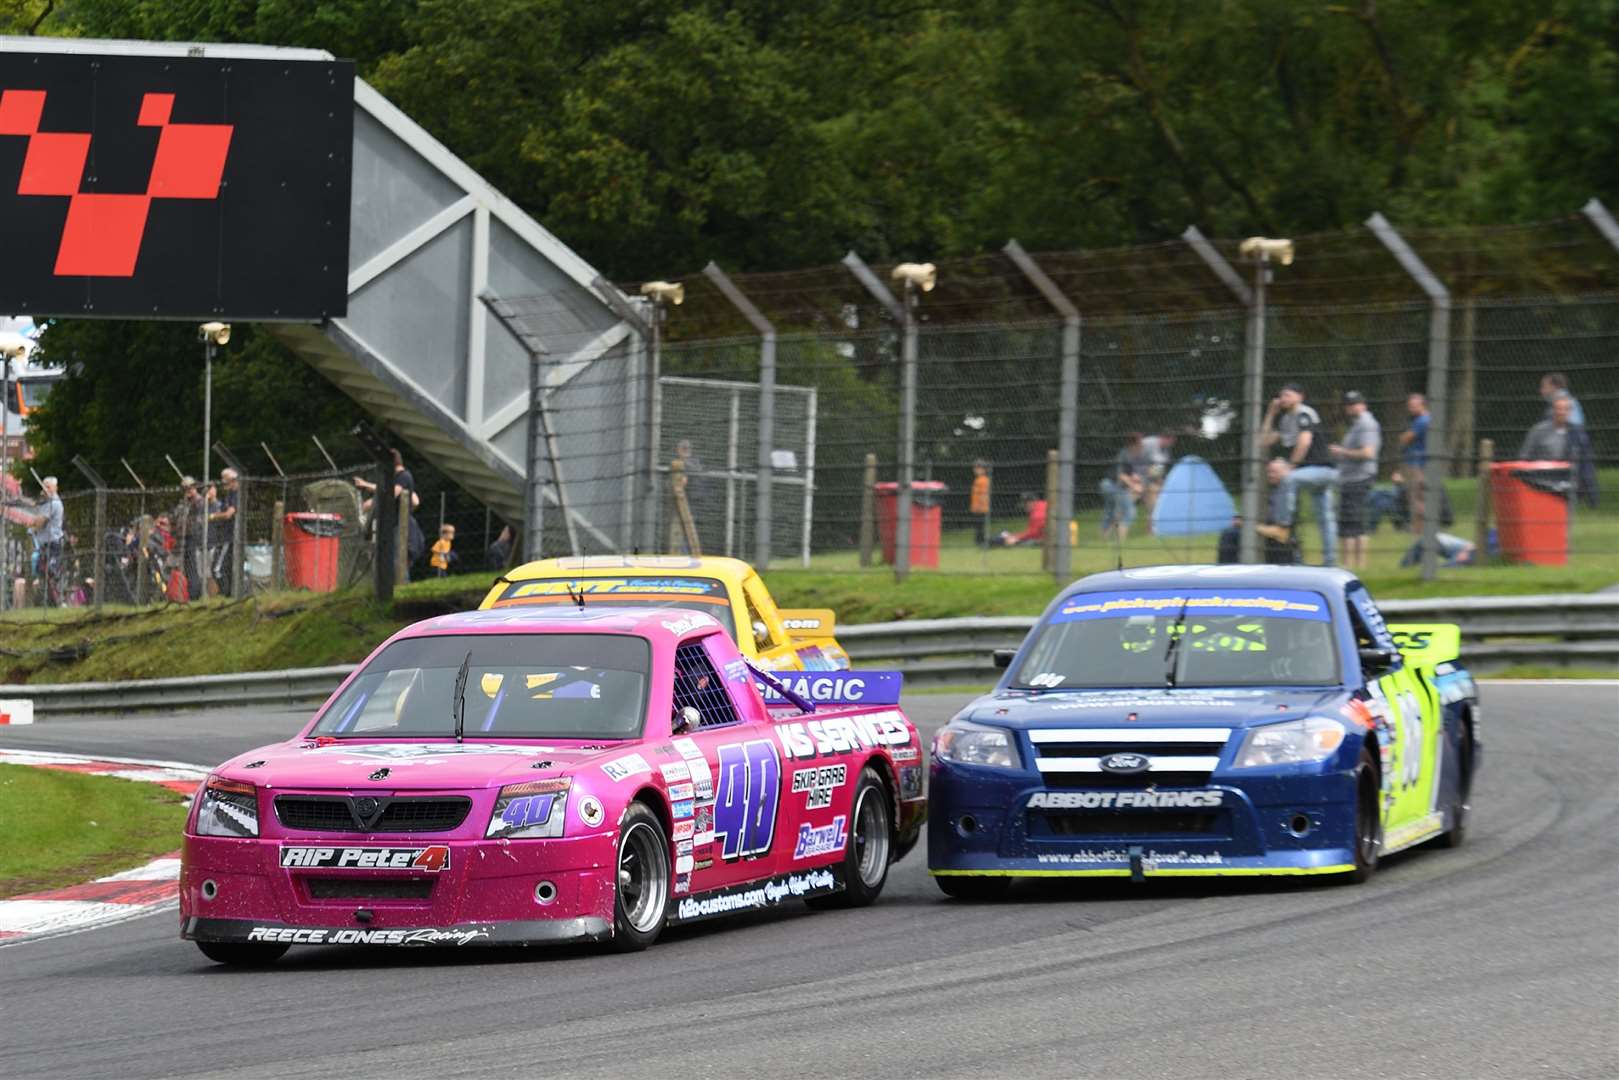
(174, 187)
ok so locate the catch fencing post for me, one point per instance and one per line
(1482, 508)
(1436, 465)
(1067, 408)
(1253, 381)
(383, 524)
(767, 409)
(647, 422)
(100, 526)
(533, 489)
(906, 317)
(868, 510)
(1598, 215)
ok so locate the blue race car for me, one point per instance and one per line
(1206, 720)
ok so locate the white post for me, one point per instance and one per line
(905, 315)
(1068, 405)
(1253, 382)
(1437, 463)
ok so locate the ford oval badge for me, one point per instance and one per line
(1125, 763)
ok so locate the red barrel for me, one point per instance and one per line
(927, 518)
(1531, 510)
(310, 543)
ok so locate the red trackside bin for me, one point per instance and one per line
(310, 542)
(1531, 510)
(926, 520)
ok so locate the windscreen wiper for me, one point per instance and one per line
(460, 707)
(1176, 632)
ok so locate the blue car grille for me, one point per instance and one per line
(1201, 824)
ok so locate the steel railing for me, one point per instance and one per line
(1562, 630)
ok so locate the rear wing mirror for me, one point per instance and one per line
(1003, 657)
(808, 622)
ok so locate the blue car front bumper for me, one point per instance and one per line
(1003, 822)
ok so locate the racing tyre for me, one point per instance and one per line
(1457, 833)
(975, 889)
(1368, 820)
(641, 903)
(866, 857)
(242, 954)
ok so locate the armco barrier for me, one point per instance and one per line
(1564, 630)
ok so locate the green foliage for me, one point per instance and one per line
(134, 390)
(654, 137)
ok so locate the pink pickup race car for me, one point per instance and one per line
(517, 777)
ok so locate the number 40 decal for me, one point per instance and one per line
(745, 797)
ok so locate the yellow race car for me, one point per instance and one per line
(728, 589)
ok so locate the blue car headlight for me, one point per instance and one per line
(965, 743)
(1294, 742)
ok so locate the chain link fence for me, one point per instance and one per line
(660, 436)
(1167, 431)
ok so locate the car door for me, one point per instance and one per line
(736, 775)
(1405, 704)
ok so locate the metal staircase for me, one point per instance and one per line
(417, 348)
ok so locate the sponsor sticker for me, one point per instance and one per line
(687, 623)
(702, 779)
(626, 766)
(1125, 800)
(818, 784)
(682, 884)
(837, 687)
(431, 858)
(910, 782)
(842, 734)
(684, 830)
(683, 864)
(681, 792)
(1272, 603)
(675, 770)
(681, 809)
(590, 811)
(816, 840)
(288, 935)
(759, 895)
(688, 749)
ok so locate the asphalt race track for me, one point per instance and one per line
(1500, 959)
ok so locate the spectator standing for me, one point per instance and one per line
(222, 526)
(404, 482)
(191, 511)
(978, 501)
(47, 533)
(1121, 487)
(1357, 472)
(499, 554)
(1554, 385)
(1151, 464)
(1296, 428)
(1414, 457)
(1560, 438)
(444, 555)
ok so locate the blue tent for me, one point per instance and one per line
(1193, 501)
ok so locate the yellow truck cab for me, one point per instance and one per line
(728, 589)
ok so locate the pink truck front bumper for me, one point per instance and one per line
(459, 892)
